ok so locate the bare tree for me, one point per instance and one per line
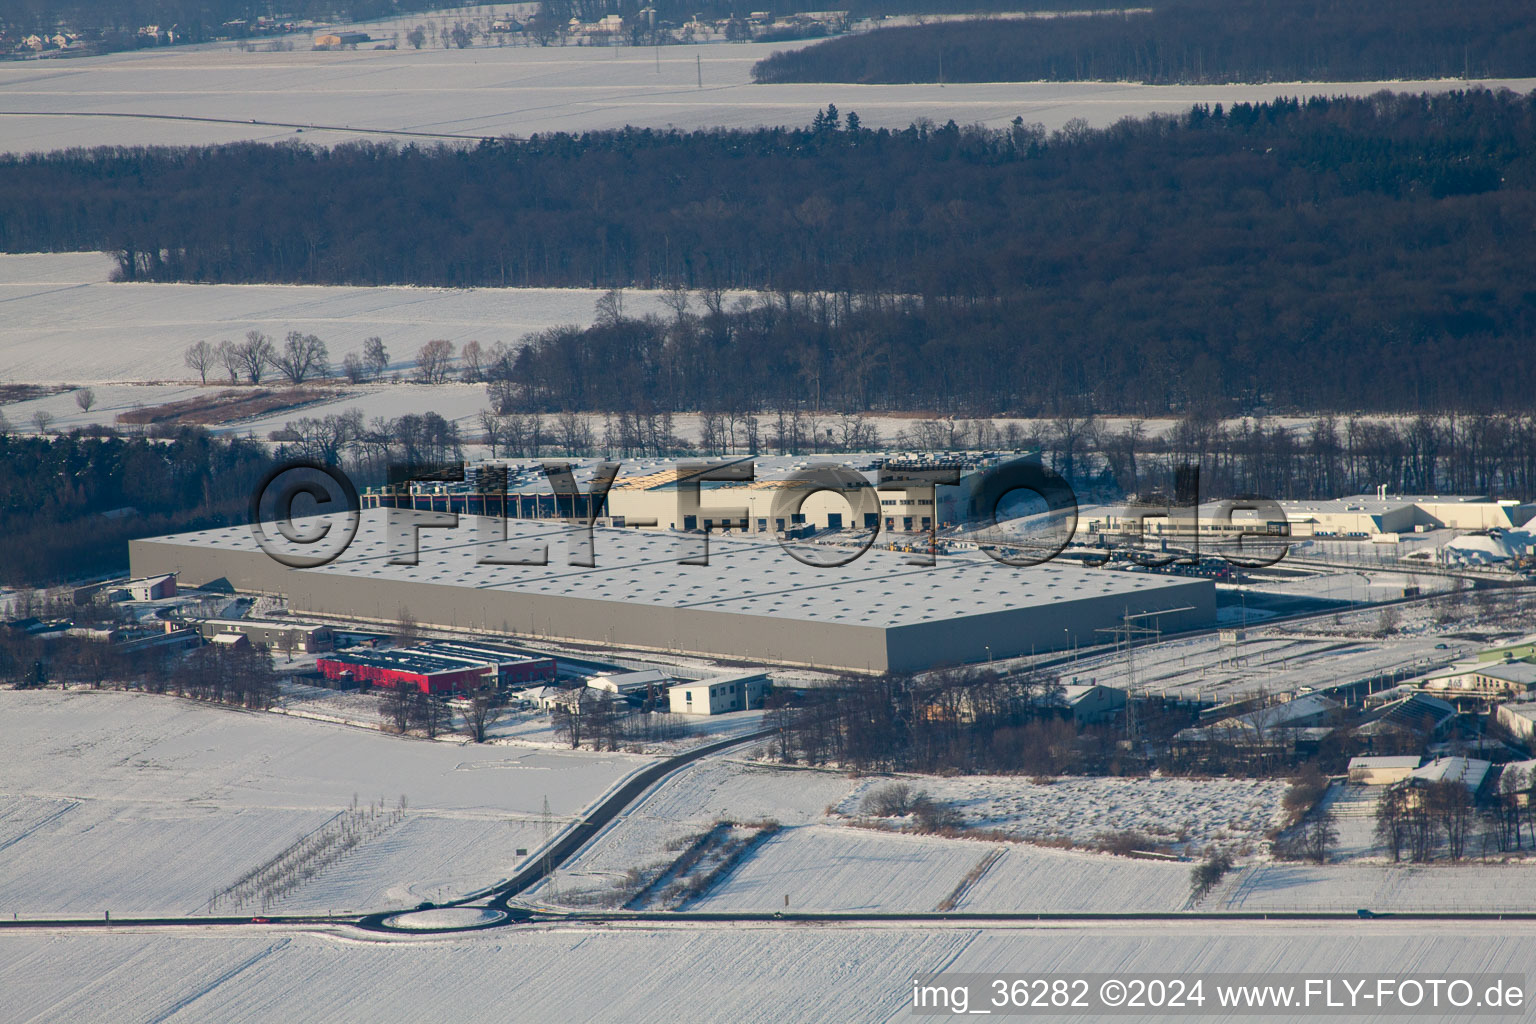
(256, 355)
(1450, 804)
(375, 356)
(434, 360)
(485, 707)
(609, 308)
(302, 356)
(199, 356)
(1392, 821)
(42, 419)
(575, 433)
(675, 298)
(428, 713)
(85, 398)
(323, 439)
(472, 358)
(1319, 835)
(228, 356)
(395, 708)
(407, 631)
(493, 428)
(569, 721)
(1205, 875)
(353, 369)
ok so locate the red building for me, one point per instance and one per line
(431, 672)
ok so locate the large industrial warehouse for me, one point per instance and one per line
(753, 601)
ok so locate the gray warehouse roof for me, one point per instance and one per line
(743, 575)
(753, 599)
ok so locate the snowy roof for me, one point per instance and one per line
(1292, 712)
(745, 575)
(1519, 672)
(1384, 762)
(1075, 692)
(1417, 711)
(1467, 770)
(1363, 504)
(622, 681)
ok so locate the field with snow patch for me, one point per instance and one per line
(666, 975)
(686, 804)
(1468, 886)
(828, 868)
(821, 867)
(486, 92)
(138, 803)
(66, 323)
(1189, 812)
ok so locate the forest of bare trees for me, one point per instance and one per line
(1344, 255)
(1189, 41)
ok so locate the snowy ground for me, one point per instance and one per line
(822, 867)
(823, 862)
(687, 803)
(1279, 659)
(138, 803)
(516, 726)
(1185, 812)
(66, 323)
(482, 92)
(662, 976)
(1381, 887)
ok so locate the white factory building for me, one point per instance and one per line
(650, 494)
(1362, 516)
(720, 694)
(752, 601)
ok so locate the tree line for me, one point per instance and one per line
(237, 676)
(54, 491)
(116, 22)
(1189, 41)
(970, 720)
(1337, 254)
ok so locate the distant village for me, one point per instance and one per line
(499, 30)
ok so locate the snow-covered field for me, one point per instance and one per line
(1381, 887)
(64, 322)
(1036, 878)
(823, 862)
(822, 867)
(663, 976)
(687, 803)
(518, 90)
(1190, 812)
(138, 803)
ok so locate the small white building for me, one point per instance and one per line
(1519, 718)
(1091, 703)
(1469, 771)
(1381, 771)
(150, 588)
(626, 683)
(716, 696)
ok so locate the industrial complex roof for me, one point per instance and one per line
(746, 574)
(526, 476)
